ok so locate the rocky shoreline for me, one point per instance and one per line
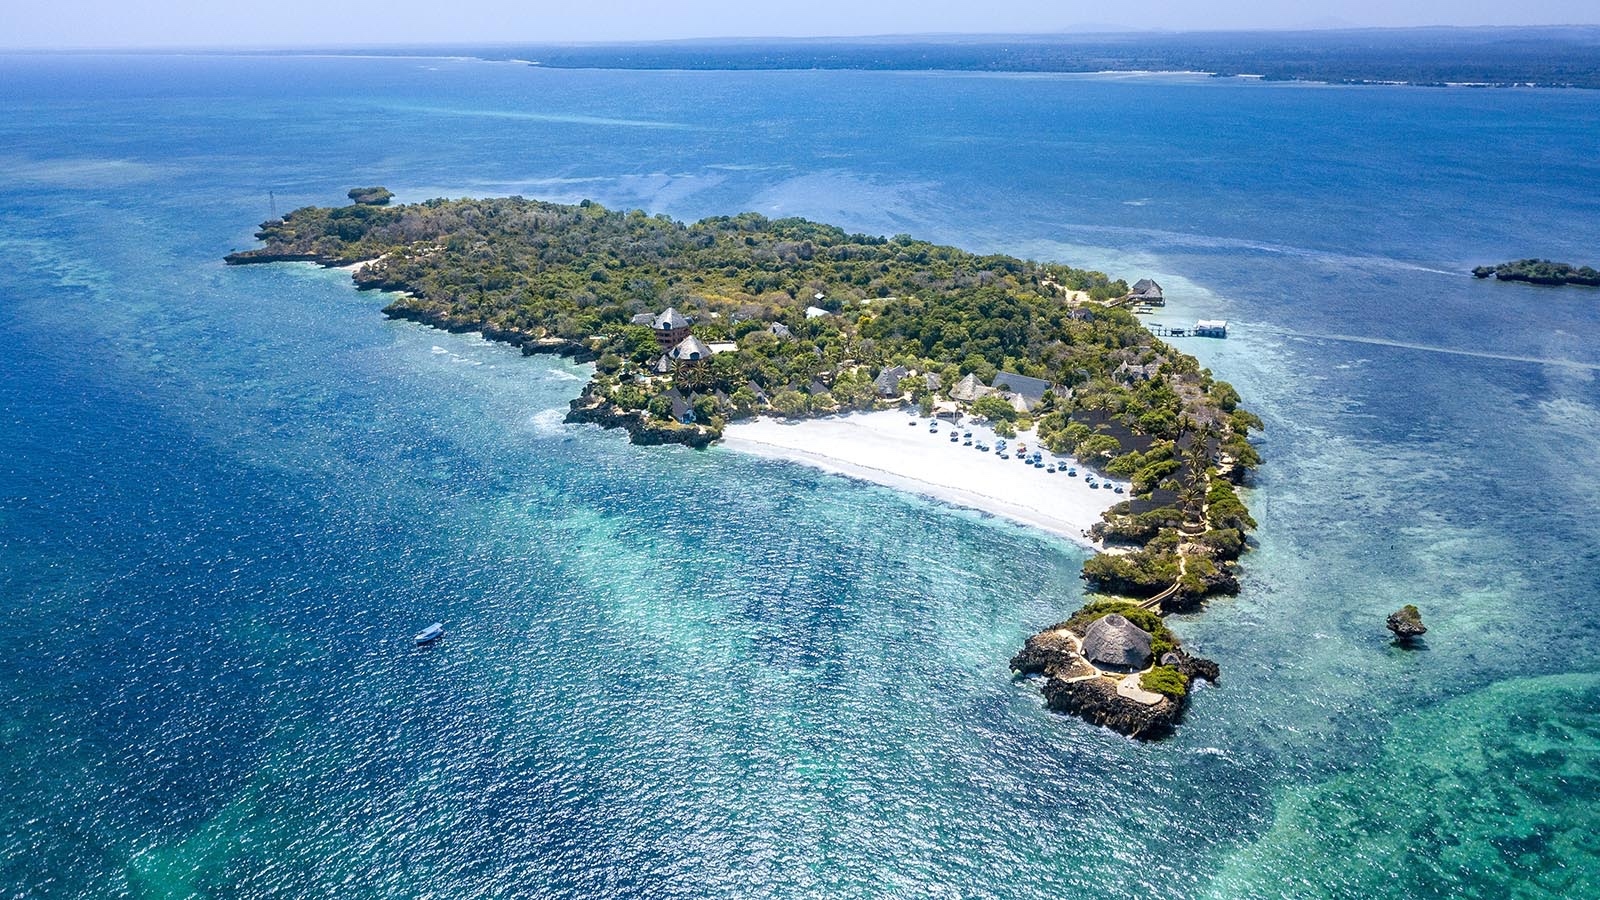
(593, 410)
(587, 408)
(1072, 685)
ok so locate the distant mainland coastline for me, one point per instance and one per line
(1526, 56)
(696, 329)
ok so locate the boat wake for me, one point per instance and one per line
(1429, 348)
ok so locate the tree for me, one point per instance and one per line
(994, 408)
(692, 376)
(790, 403)
(744, 402)
(1101, 445)
(977, 365)
(628, 396)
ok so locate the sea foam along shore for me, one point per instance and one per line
(879, 447)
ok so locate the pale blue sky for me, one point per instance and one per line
(121, 23)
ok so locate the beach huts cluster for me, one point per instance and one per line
(678, 346)
(1024, 393)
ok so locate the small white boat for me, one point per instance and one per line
(431, 633)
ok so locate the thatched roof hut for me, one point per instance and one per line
(888, 381)
(690, 349)
(1147, 291)
(1112, 642)
(969, 389)
(669, 320)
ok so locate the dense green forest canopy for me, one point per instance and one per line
(798, 318)
(582, 272)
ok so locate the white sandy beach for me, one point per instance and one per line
(880, 447)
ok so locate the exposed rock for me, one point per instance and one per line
(267, 255)
(1406, 623)
(1051, 650)
(594, 410)
(1095, 700)
(406, 308)
(1071, 685)
(1193, 667)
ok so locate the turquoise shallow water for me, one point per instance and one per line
(228, 498)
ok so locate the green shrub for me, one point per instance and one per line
(1224, 509)
(994, 409)
(1167, 681)
(1151, 571)
(1226, 543)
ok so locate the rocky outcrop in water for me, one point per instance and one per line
(370, 196)
(1071, 685)
(1096, 701)
(1541, 271)
(1406, 623)
(594, 410)
(270, 255)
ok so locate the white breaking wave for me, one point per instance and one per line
(547, 421)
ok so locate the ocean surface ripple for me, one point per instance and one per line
(228, 497)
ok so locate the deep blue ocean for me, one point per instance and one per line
(228, 498)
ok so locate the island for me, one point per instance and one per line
(1540, 271)
(370, 196)
(695, 328)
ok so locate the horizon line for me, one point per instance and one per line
(1061, 33)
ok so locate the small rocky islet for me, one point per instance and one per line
(1540, 271)
(691, 326)
(1115, 664)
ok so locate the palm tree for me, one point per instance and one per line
(692, 377)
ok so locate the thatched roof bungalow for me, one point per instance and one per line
(888, 381)
(1147, 291)
(690, 350)
(1112, 642)
(969, 389)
